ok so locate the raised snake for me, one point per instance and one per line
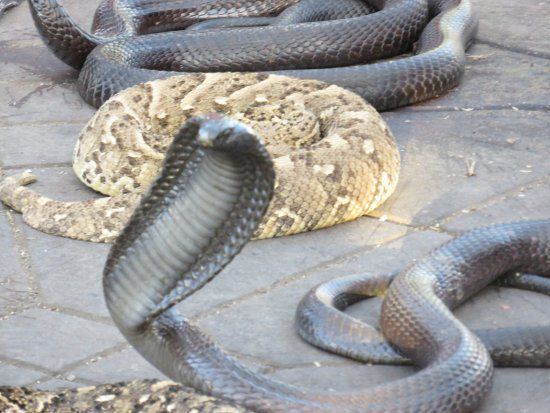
(214, 188)
(334, 51)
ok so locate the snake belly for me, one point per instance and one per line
(215, 185)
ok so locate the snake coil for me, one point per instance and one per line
(120, 52)
(216, 182)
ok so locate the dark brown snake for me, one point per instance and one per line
(335, 50)
(215, 185)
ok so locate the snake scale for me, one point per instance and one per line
(214, 188)
(335, 51)
(219, 168)
(334, 156)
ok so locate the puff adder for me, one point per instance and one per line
(335, 159)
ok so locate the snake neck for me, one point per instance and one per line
(205, 205)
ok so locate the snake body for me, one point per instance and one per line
(320, 320)
(334, 50)
(117, 19)
(334, 156)
(214, 188)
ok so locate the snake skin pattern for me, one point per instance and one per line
(334, 51)
(335, 158)
(320, 321)
(143, 396)
(184, 233)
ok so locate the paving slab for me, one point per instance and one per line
(24, 144)
(15, 290)
(53, 340)
(29, 61)
(68, 271)
(273, 333)
(53, 384)
(23, 102)
(529, 202)
(261, 264)
(509, 149)
(521, 25)
(124, 365)
(17, 376)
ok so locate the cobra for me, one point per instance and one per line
(213, 190)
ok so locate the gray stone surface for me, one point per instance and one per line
(53, 340)
(17, 376)
(24, 145)
(15, 290)
(122, 366)
(55, 330)
(437, 146)
(514, 24)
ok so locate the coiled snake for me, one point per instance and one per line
(334, 51)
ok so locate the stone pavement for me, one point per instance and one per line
(55, 330)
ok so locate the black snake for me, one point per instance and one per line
(213, 190)
(335, 51)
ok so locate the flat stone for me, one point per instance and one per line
(17, 376)
(272, 314)
(529, 203)
(341, 378)
(262, 263)
(31, 102)
(70, 273)
(510, 77)
(509, 149)
(522, 25)
(518, 391)
(56, 384)
(28, 61)
(15, 291)
(126, 365)
(24, 144)
(53, 340)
